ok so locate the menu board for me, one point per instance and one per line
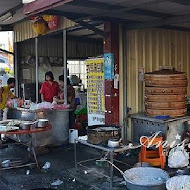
(95, 91)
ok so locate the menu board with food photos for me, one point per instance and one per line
(95, 91)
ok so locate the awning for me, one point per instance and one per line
(10, 13)
(173, 14)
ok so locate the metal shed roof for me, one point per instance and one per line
(134, 14)
(11, 12)
(125, 11)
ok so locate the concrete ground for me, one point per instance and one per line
(62, 168)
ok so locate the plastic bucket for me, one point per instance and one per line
(73, 134)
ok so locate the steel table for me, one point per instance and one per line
(110, 151)
(30, 143)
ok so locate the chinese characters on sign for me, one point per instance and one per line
(95, 91)
(44, 23)
(52, 21)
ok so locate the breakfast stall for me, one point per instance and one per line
(165, 106)
(59, 119)
(50, 45)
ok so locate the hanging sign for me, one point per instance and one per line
(109, 66)
(44, 23)
(52, 21)
(95, 91)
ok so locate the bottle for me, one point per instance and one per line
(15, 103)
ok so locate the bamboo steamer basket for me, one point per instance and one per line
(166, 93)
(166, 74)
(166, 98)
(166, 78)
(166, 105)
(171, 113)
(169, 90)
(166, 83)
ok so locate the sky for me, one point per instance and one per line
(4, 36)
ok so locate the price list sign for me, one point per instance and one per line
(95, 91)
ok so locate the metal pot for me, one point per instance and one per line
(114, 143)
(25, 125)
(145, 178)
(102, 133)
(42, 122)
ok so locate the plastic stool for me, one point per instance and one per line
(154, 157)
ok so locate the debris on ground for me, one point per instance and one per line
(57, 182)
(5, 163)
(178, 157)
(27, 172)
(178, 183)
(46, 166)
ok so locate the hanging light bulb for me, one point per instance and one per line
(27, 1)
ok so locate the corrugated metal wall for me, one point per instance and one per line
(53, 47)
(23, 30)
(151, 48)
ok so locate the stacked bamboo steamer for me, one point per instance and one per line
(166, 93)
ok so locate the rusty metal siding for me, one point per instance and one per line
(151, 48)
(23, 30)
(53, 47)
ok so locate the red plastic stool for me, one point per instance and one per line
(154, 157)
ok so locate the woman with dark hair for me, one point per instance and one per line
(50, 88)
(70, 99)
(70, 92)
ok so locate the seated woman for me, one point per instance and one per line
(70, 92)
(50, 88)
(70, 99)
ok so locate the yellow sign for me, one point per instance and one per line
(95, 91)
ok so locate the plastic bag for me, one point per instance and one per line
(34, 106)
(178, 157)
(45, 105)
(178, 183)
(60, 106)
(57, 182)
(9, 103)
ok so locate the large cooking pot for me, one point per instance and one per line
(42, 122)
(145, 178)
(102, 133)
(25, 125)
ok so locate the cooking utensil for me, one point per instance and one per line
(42, 122)
(101, 134)
(25, 125)
(145, 178)
(114, 143)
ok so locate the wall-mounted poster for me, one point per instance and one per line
(95, 91)
(109, 66)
